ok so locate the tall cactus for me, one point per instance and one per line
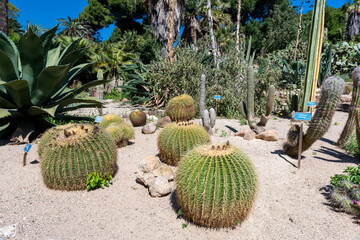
(69, 154)
(208, 118)
(320, 123)
(216, 185)
(353, 109)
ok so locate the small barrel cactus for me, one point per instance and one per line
(320, 122)
(121, 133)
(216, 185)
(177, 138)
(138, 118)
(181, 108)
(71, 153)
(110, 118)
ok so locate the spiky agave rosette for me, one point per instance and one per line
(181, 108)
(178, 138)
(216, 185)
(73, 152)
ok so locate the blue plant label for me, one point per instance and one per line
(27, 147)
(217, 97)
(98, 119)
(302, 116)
(311, 104)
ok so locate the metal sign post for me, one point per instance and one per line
(26, 151)
(216, 97)
(299, 116)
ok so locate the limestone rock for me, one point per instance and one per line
(159, 186)
(165, 171)
(8, 232)
(268, 135)
(241, 133)
(149, 128)
(164, 121)
(249, 135)
(145, 178)
(259, 129)
(149, 164)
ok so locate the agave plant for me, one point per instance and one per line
(34, 79)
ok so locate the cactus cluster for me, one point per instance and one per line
(216, 185)
(248, 108)
(120, 131)
(138, 118)
(320, 122)
(70, 153)
(181, 108)
(208, 118)
(347, 196)
(178, 138)
(109, 119)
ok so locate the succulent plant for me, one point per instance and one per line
(34, 81)
(138, 118)
(128, 133)
(320, 122)
(293, 135)
(216, 185)
(347, 196)
(181, 108)
(178, 138)
(353, 109)
(117, 134)
(74, 151)
(208, 118)
(348, 88)
(110, 118)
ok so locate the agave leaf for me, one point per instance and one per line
(32, 56)
(35, 111)
(7, 128)
(50, 80)
(66, 102)
(46, 39)
(19, 92)
(70, 117)
(72, 57)
(5, 102)
(71, 47)
(90, 105)
(9, 48)
(53, 57)
(7, 71)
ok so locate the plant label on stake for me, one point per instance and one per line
(311, 105)
(299, 116)
(26, 151)
(98, 119)
(216, 97)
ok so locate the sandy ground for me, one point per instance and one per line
(291, 203)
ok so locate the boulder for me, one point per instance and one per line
(149, 164)
(268, 135)
(249, 135)
(259, 129)
(241, 133)
(145, 178)
(165, 171)
(149, 128)
(164, 121)
(159, 186)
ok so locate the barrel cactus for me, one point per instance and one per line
(177, 138)
(181, 108)
(216, 185)
(320, 122)
(121, 133)
(138, 118)
(75, 151)
(110, 118)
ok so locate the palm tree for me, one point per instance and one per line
(354, 20)
(4, 16)
(75, 28)
(238, 26)
(211, 30)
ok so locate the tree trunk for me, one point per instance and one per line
(4, 16)
(170, 43)
(299, 30)
(353, 23)
(211, 29)
(193, 30)
(238, 27)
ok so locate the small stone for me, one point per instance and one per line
(159, 187)
(164, 121)
(124, 100)
(149, 164)
(165, 171)
(149, 128)
(268, 135)
(345, 98)
(145, 178)
(241, 133)
(8, 231)
(250, 135)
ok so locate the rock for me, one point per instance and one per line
(145, 178)
(124, 100)
(125, 116)
(259, 129)
(345, 98)
(153, 118)
(268, 135)
(164, 121)
(159, 186)
(149, 128)
(165, 171)
(241, 133)
(8, 231)
(249, 135)
(149, 164)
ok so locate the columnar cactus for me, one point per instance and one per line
(208, 119)
(138, 118)
(178, 138)
(71, 153)
(353, 109)
(110, 118)
(216, 185)
(320, 122)
(181, 108)
(269, 106)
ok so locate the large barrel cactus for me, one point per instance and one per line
(216, 185)
(138, 118)
(177, 138)
(320, 122)
(69, 154)
(109, 119)
(181, 108)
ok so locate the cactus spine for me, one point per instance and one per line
(320, 123)
(354, 109)
(73, 153)
(216, 185)
(138, 118)
(177, 138)
(208, 119)
(181, 108)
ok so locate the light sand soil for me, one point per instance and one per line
(290, 203)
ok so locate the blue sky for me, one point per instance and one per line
(45, 12)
